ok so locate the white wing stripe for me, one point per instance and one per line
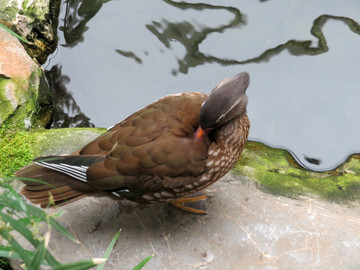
(78, 168)
(77, 172)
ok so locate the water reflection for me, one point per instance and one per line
(66, 112)
(311, 160)
(179, 46)
(78, 14)
(190, 36)
(187, 34)
(297, 48)
(129, 55)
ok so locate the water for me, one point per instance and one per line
(303, 57)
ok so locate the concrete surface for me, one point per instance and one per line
(245, 229)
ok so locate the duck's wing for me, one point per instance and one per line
(153, 149)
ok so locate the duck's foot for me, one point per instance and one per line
(195, 204)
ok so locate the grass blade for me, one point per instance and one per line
(33, 211)
(57, 226)
(81, 265)
(17, 197)
(24, 256)
(108, 250)
(58, 214)
(15, 35)
(40, 254)
(10, 253)
(143, 262)
(28, 235)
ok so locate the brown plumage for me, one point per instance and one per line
(171, 148)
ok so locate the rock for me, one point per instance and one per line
(34, 20)
(20, 79)
(16, 69)
(276, 171)
(21, 147)
(246, 228)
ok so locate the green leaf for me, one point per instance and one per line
(9, 252)
(34, 211)
(143, 262)
(38, 213)
(28, 235)
(109, 249)
(15, 35)
(58, 214)
(86, 264)
(24, 256)
(40, 254)
(17, 197)
(57, 226)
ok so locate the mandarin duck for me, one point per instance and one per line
(163, 153)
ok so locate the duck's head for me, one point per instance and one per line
(226, 102)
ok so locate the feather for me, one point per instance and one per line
(74, 166)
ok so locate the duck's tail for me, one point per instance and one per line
(48, 187)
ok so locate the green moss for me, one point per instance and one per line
(32, 11)
(20, 148)
(18, 86)
(17, 150)
(275, 171)
(5, 105)
(16, 144)
(8, 13)
(25, 4)
(36, 111)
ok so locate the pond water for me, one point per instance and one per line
(303, 56)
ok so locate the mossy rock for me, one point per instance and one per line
(19, 148)
(25, 98)
(29, 105)
(276, 171)
(34, 20)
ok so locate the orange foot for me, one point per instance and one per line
(193, 204)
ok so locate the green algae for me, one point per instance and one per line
(276, 171)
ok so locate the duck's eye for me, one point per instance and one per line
(221, 118)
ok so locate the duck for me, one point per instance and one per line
(167, 152)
